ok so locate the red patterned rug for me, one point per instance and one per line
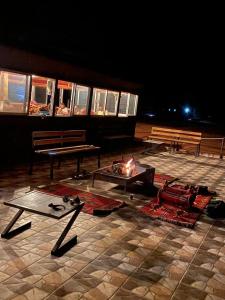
(170, 213)
(159, 179)
(94, 204)
(174, 214)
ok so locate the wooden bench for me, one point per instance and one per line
(56, 144)
(176, 137)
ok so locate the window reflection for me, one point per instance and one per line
(132, 109)
(81, 100)
(123, 108)
(111, 103)
(128, 105)
(71, 99)
(42, 96)
(13, 92)
(64, 102)
(98, 102)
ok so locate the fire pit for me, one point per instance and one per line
(124, 169)
(124, 173)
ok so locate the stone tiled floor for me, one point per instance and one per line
(125, 255)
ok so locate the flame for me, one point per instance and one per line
(129, 163)
(128, 168)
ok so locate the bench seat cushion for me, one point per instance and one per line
(182, 200)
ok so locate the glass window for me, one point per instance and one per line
(42, 96)
(123, 108)
(111, 103)
(98, 102)
(14, 92)
(64, 102)
(132, 109)
(81, 100)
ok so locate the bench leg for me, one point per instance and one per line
(59, 250)
(197, 152)
(31, 164)
(59, 163)
(78, 164)
(172, 146)
(51, 167)
(99, 160)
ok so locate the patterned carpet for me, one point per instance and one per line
(93, 204)
(125, 255)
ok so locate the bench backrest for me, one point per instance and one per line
(43, 139)
(182, 135)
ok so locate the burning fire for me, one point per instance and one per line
(124, 168)
(129, 167)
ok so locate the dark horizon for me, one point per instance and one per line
(176, 54)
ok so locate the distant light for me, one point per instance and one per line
(169, 109)
(151, 115)
(174, 110)
(187, 110)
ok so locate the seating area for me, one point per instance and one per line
(176, 137)
(68, 142)
(125, 254)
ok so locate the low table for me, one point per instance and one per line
(37, 202)
(144, 173)
(151, 146)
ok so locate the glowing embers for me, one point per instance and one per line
(124, 168)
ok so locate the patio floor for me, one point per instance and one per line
(125, 255)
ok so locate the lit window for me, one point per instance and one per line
(111, 103)
(132, 109)
(14, 91)
(64, 102)
(123, 107)
(42, 96)
(98, 102)
(81, 100)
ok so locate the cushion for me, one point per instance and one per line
(177, 190)
(182, 200)
(201, 201)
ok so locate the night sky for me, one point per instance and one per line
(176, 52)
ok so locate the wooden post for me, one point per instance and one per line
(221, 148)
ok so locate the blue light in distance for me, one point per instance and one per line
(187, 110)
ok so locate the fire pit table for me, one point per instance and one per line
(144, 173)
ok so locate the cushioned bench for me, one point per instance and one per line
(176, 137)
(56, 144)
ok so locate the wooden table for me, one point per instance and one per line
(37, 202)
(143, 173)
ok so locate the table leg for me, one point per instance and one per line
(59, 250)
(7, 234)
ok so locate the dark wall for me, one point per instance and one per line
(16, 132)
(26, 62)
